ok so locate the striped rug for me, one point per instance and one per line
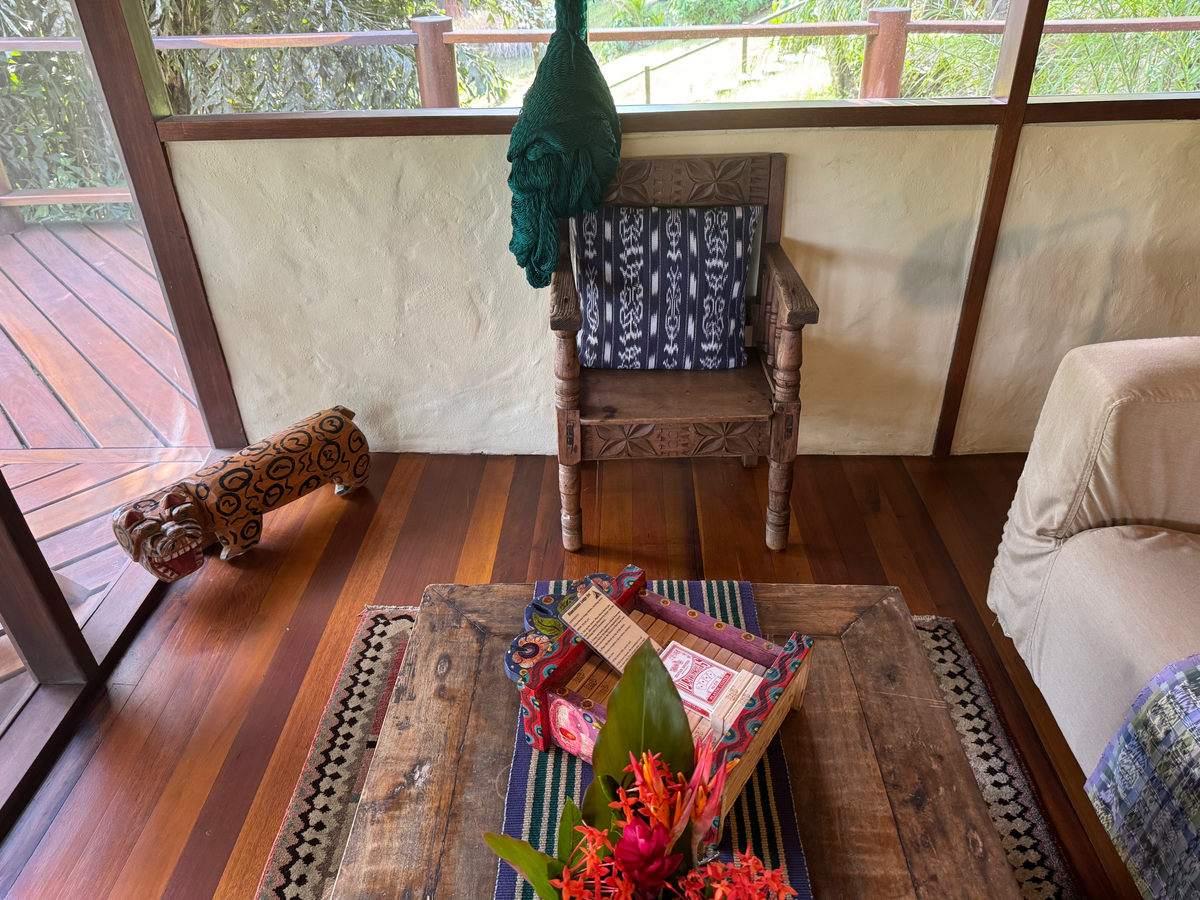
(762, 818)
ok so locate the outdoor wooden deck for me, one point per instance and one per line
(96, 406)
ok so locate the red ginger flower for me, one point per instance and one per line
(644, 852)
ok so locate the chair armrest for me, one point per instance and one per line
(796, 304)
(564, 299)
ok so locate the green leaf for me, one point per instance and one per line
(535, 866)
(568, 837)
(644, 714)
(601, 792)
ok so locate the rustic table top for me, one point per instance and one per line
(887, 804)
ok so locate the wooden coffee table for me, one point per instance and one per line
(888, 807)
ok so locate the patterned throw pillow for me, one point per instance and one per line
(663, 288)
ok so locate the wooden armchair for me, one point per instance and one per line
(748, 412)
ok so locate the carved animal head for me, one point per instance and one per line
(165, 532)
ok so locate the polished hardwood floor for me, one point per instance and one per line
(178, 779)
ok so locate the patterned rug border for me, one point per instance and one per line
(1048, 841)
(312, 747)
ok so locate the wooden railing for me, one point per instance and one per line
(885, 30)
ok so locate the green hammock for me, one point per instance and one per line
(565, 147)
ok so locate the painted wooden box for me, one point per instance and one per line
(564, 685)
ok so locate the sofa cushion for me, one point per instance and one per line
(1120, 604)
(663, 288)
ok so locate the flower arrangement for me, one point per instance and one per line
(651, 813)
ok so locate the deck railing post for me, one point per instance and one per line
(11, 220)
(883, 62)
(437, 68)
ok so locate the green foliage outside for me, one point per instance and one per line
(298, 79)
(963, 65)
(1119, 63)
(54, 134)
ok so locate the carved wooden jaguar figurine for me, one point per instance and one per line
(168, 530)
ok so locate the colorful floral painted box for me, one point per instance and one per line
(564, 685)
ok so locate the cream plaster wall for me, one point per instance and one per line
(1100, 241)
(374, 272)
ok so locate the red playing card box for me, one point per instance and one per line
(701, 681)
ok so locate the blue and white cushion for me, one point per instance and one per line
(663, 288)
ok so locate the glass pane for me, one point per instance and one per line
(943, 48)
(96, 406)
(269, 75)
(1119, 46)
(54, 135)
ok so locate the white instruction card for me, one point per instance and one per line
(606, 627)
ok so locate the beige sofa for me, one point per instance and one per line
(1098, 577)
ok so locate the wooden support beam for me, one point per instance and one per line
(121, 54)
(1014, 75)
(32, 607)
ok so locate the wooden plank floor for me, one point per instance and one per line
(177, 781)
(95, 402)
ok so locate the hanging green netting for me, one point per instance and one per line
(565, 147)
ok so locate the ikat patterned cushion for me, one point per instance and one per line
(663, 288)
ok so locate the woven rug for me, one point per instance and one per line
(763, 817)
(308, 849)
(1032, 851)
(303, 862)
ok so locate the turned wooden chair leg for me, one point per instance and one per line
(784, 436)
(572, 516)
(566, 404)
(779, 503)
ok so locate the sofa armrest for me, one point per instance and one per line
(1117, 443)
(564, 299)
(796, 303)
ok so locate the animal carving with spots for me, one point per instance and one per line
(167, 531)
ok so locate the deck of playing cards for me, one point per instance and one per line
(712, 693)
(732, 702)
(700, 680)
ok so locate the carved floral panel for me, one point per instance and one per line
(676, 439)
(698, 181)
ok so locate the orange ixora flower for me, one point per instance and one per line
(746, 879)
(596, 876)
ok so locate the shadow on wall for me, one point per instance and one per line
(934, 276)
(1105, 230)
(858, 400)
(1053, 287)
